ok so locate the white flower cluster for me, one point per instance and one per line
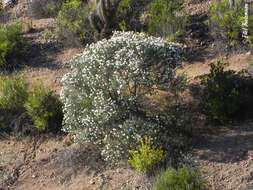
(102, 94)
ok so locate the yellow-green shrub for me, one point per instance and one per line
(45, 108)
(146, 156)
(13, 92)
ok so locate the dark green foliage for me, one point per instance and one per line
(227, 95)
(182, 179)
(163, 20)
(227, 20)
(12, 45)
(45, 109)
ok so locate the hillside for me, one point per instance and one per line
(48, 161)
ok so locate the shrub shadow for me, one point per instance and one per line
(228, 146)
(41, 55)
(70, 161)
(216, 143)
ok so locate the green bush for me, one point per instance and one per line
(106, 96)
(45, 109)
(72, 25)
(227, 95)
(13, 92)
(228, 20)
(12, 45)
(163, 20)
(181, 179)
(145, 158)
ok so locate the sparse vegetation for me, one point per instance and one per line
(45, 8)
(12, 45)
(42, 105)
(125, 98)
(184, 178)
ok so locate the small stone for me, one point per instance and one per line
(92, 182)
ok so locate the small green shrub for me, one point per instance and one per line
(146, 156)
(228, 20)
(12, 45)
(72, 25)
(227, 95)
(13, 92)
(181, 179)
(45, 109)
(163, 20)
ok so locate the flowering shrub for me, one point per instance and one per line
(106, 96)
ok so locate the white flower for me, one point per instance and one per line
(101, 92)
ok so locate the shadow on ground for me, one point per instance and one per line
(229, 145)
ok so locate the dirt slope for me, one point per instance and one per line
(49, 162)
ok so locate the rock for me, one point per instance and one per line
(92, 182)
